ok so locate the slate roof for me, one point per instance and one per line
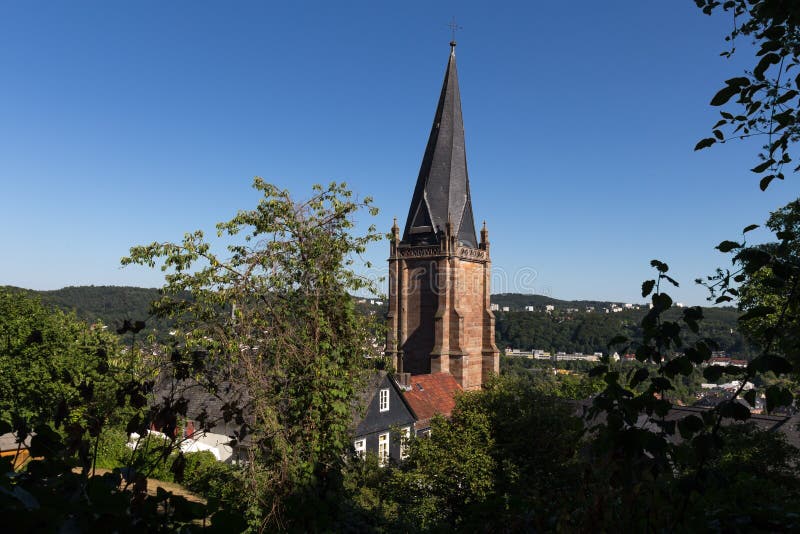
(364, 422)
(442, 190)
(211, 409)
(365, 396)
(430, 395)
(788, 425)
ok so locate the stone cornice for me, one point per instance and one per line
(435, 252)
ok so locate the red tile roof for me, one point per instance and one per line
(432, 394)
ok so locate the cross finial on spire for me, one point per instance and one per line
(453, 29)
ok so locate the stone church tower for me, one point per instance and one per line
(439, 273)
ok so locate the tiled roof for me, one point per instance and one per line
(432, 394)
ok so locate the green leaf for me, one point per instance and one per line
(753, 259)
(639, 376)
(671, 281)
(778, 396)
(788, 95)
(647, 287)
(735, 410)
(712, 373)
(750, 228)
(727, 246)
(750, 397)
(644, 353)
(659, 265)
(598, 370)
(766, 60)
(690, 425)
(661, 301)
(761, 167)
(739, 81)
(756, 312)
(704, 143)
(661, 384)
(724, 94)
(680, 365)
(694, 355)
(770, 362)
(765, 181)
(46, 442)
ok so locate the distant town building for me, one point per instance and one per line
(731, 386)
(724, 361)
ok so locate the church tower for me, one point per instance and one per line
(439, 273)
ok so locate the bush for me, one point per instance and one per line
(198, 470)
(204, 475)
(153, 457)
(112, 450)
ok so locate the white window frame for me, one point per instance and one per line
(360, 445)
(405, 436)
(383, 448)
(383, 400)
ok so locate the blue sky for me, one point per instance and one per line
(125, 123)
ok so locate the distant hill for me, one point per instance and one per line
(570, 327)
(110, 305)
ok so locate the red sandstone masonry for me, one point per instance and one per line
(439, 316)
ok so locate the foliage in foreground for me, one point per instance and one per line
(503, 462)
(63, 386)
(274, 319)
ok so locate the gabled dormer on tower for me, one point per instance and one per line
(439, 273)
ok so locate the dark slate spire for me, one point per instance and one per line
(442, 190)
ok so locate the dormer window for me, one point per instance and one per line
(383, 400)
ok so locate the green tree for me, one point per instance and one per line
(769, 294)
(751, 483)
(506, 460)
(273, 316)
(51, 365)
(63, 386)
(456, 469)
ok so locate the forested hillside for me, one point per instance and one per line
(580, 331)
(589, 332)
(111, 305)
